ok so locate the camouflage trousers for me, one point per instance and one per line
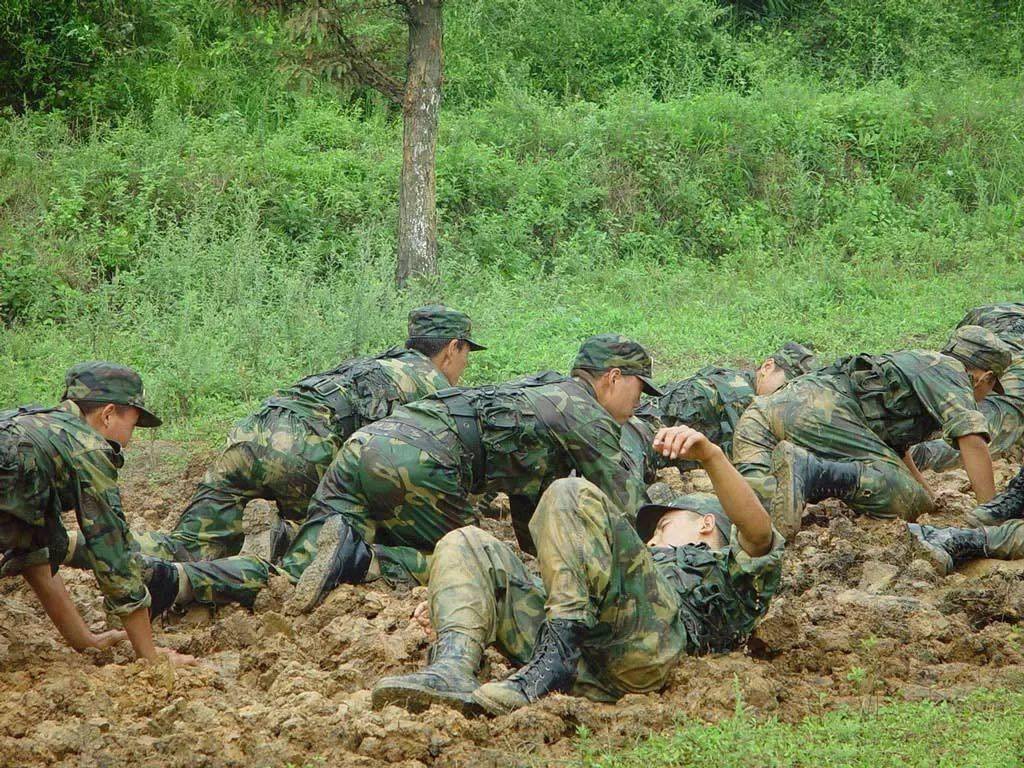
(829, 424)
(400, 486)
(225, 580)
(1006, 541)
(1005, 415)
(594, 569)
(272, 454)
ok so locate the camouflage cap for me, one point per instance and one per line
(978, 347)
(101, 382)
(795, 359)
(435, 321)
(610, 350)
(702, 503)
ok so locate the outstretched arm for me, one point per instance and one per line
(737, 498)
(978, 463)
(52, 593)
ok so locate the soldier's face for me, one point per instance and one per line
(115, 423)
(770, 377)
(619, 394)
(453, 361)
(984, 382)
(679, 527)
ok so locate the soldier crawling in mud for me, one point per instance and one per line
(281, 451)
(841, 432)
(399, 485)
(997, 532)
(610, 614)
(713, 399)
(1004, 409)
(65, 458)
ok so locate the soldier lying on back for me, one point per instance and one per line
(614, 609)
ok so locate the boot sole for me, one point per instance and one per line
(417, 698)
(940, 559)
(787, 510)
(312, 587)
(490, 706)
(259, 519)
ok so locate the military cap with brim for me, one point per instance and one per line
(796, 359)
(439, 322)
(979, 348)
(98, 381)
(610, 350)
(701, 503)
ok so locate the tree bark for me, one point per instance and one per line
(417, 196)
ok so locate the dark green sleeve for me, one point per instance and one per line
(945, 391)
(106, 534)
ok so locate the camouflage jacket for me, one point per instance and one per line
(711, 401)
(1004, 320)
(64, 464)
(360, 391)
(539, 428)
(906, 397)
(723, 593)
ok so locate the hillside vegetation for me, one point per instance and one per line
(710, 178)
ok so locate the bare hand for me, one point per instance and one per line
(684, 442)
(177, 659)
(103, 640)
(421, 616)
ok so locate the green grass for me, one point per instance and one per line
(985, 730)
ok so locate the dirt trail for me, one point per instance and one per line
(858, 619)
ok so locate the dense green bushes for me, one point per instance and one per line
(712, 181)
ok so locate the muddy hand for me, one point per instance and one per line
(421, 616)
(103, 640)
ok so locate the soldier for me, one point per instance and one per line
(57, 459)
(401, 484)
(1003, 410)
(610, 615)
(841, 432)
(998, 532)
(281, 451)
(713, 399)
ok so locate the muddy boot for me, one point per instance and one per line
(267, 536)
(802, 478)
(1008, 505)
(449, 678)
(946, 548)
(342, 557)
(552, 669)
(162, 580)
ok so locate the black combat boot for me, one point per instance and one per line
(946, 548)
(267, 536)
(802, 478)
(162, 582)
(449, 678)
(552, 669)
(342, 557)
(1008, 505)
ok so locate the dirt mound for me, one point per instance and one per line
(858, 619)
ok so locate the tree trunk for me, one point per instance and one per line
(417, 198)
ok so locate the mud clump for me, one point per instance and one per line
(858, 618)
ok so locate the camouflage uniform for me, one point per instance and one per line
(282, 451)
(405, 481)
(644, 608)
(713, 399)
(52, 461)
(1003, 410)
(866, 409)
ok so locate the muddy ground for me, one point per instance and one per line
(858, 620)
